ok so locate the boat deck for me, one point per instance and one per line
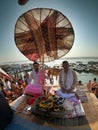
(87, 122)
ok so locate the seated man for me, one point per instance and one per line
(37, 75)
(6, 113)
(67, 81)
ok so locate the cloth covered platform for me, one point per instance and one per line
(87, 122)
(76, 112)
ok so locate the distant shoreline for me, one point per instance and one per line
(65, 58)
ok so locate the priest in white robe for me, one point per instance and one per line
(67, 81)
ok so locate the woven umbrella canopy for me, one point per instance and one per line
(43, 34)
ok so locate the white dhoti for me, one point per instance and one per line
(64, 95)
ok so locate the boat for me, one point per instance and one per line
(88, 121)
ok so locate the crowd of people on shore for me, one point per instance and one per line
(93, 87)
(13, 88)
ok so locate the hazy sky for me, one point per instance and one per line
(83, 15)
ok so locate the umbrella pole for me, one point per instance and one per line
(43, 92)
(43, 78)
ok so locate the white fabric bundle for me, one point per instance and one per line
(68, 105)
